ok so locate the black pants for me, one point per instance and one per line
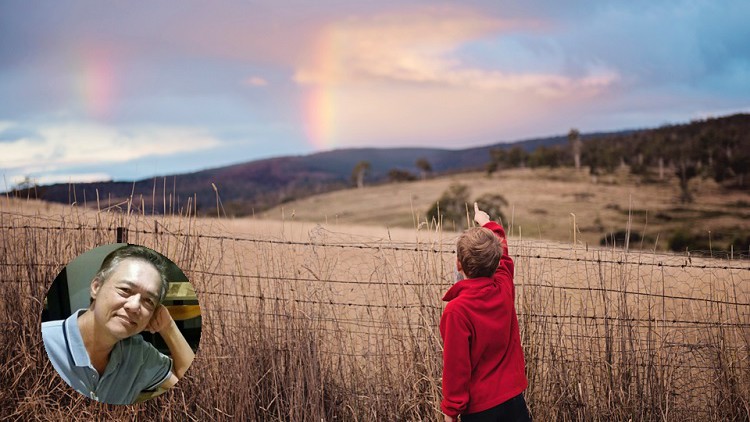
(513, 410)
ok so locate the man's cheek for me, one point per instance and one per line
(144, 323)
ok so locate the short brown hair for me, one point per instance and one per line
(135, 252)
(479, 252)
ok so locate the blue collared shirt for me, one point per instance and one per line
(134, 364)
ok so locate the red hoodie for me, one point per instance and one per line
(483, 363)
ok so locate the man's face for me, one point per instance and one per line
(125, 302)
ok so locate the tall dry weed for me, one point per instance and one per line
(341, 326)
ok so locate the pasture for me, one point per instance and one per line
(311, 322)
(540, 204)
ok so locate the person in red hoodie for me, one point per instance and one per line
(483, 366)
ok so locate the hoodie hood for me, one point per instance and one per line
(467, 285)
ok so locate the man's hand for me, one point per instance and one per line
(480, 216)
(160, 321)
(182, 355)
(449, 418)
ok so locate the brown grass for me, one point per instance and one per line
(304, 322)
(540, 204)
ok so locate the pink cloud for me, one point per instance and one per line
(419, 48)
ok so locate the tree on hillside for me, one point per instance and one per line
(706, 147)
(451, 207)
(517, 157)
(686, 170)
(498, 159)
(740, 165)
(732, 160)
(546, 157)
(600, 155)
(638, 164)
(398, 175)
(359, 172)
(574, 139)
(27, 188)
(26, 183)
(660, 150)
(424, 167)
(737, 167)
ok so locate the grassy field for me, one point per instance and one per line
(540, 205)
(337, 321)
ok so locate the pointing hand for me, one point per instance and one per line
(480, 216)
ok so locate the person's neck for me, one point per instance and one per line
(98, 342)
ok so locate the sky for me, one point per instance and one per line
(122, 90)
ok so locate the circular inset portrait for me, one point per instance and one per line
(121, 323)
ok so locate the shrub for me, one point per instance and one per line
(398, 175)
(618, 239)
(454, 203)
(492, 204)
(451, 207)
(682, 240)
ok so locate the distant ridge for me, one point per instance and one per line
(258, 185)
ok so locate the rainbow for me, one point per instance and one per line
(320, 111)
(95, 84)
(323, 100)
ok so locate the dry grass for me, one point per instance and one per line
(310, 322)
(540, 204)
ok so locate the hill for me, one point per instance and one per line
(541, 203)
(257, 185)
(716, 148)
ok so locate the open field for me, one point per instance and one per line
(540, 204)
(306, 321)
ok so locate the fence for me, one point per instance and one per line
(318, 324)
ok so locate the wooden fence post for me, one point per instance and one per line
(121, 235)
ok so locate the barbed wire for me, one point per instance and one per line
(635, 293)
(574, 333)
(633, 319)
(558, 359)
(412, 283)
(406, 282)
(416, 284)
(573, 321)
(317, 302)
(520, 314)
(371, 323)
(444, 284)
(687, 263)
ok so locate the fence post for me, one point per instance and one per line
(121, 235)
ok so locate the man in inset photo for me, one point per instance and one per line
(99, 350)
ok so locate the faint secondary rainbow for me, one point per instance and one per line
(95, 82)
(322, 106)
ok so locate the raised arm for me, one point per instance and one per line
(182, 354)
(483, 219)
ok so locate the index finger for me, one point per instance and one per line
(476, 207)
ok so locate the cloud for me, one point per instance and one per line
(12, 131)
(422, 49)
(391, 117)
(409, 72)
(64, 146)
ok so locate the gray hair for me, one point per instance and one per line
(142, 253)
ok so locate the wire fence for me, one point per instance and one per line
(607, 333)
